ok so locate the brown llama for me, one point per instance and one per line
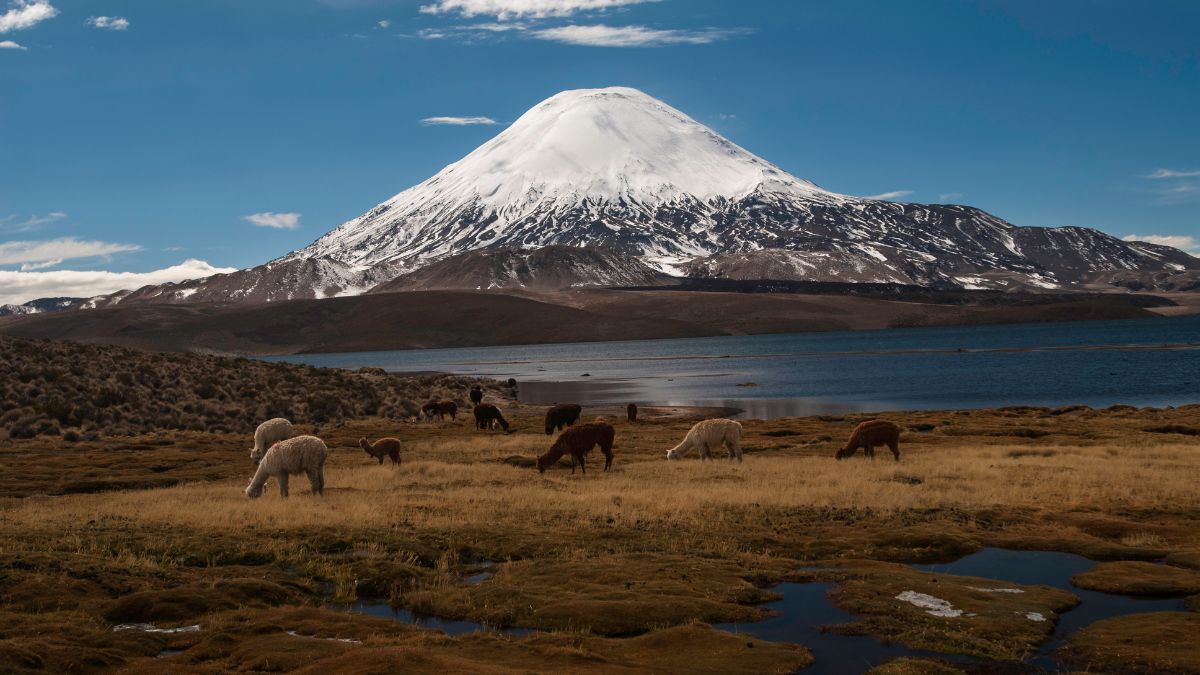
(870, 434)
(487, 414)
(441, 409)
(631, 412)
(579, 441)
(561, 415)
(384, 447)
(476, 395)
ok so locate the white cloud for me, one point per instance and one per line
(109, 22)
(278, 221)
(18, 287)
(431, 34)
(725, 117)
(64, 248)
(1173, 173)
(10, 223)
(601, 35)
(386, 23)
(24, 14)
(457, 121)
(1180, 241)
(510, 9)
(894, 194)
(9, 44)
(495, 27)
(950, 196)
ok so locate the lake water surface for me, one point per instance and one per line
(1146, 362)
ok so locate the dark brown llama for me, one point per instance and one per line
(486, 414)
(631, 412)
(579, 441)
(384, 447)
(441, 409)
(562, 415)
(870, 434)
(476, 395)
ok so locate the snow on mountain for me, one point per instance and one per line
(613, 160)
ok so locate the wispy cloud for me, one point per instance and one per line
(457, 121)
(386, 23)
(946, 197)
(1180, 241)
(13, 224)
(278, 221)
(1159, 174)
(894, 194)
(108, 22)
(432, 34)
(24, 14)
(41, 254)
(601, 35)
(495, 27)
(9, 44)
(515, 9)
(18, 287)
(725, 117)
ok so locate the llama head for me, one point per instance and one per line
(674, 453)
(254, 491)
(845, 452)
(256, 455)
(362, 442)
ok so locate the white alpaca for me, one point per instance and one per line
(267, 434)
(709, 435)
(302, 454)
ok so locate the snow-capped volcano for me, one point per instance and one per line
(615, 160)
(619, 169)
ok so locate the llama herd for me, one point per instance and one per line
(279, 454)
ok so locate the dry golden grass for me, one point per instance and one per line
(475, 486)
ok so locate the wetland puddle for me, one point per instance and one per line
(384, 610)
(805, 610)
(1050, 568)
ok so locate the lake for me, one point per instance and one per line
(1144, 362)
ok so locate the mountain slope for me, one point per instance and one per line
(547, 268)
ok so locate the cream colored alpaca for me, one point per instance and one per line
(302, 454)
(267, 434)
(709, 435)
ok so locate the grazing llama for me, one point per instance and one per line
(302, 454)
(488, 415)
(709, 435)
(562, 415)
(267, 434)
(870, 434)
(579, 441)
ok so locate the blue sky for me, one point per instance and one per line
(137, 134)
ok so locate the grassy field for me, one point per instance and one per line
(619, 572)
